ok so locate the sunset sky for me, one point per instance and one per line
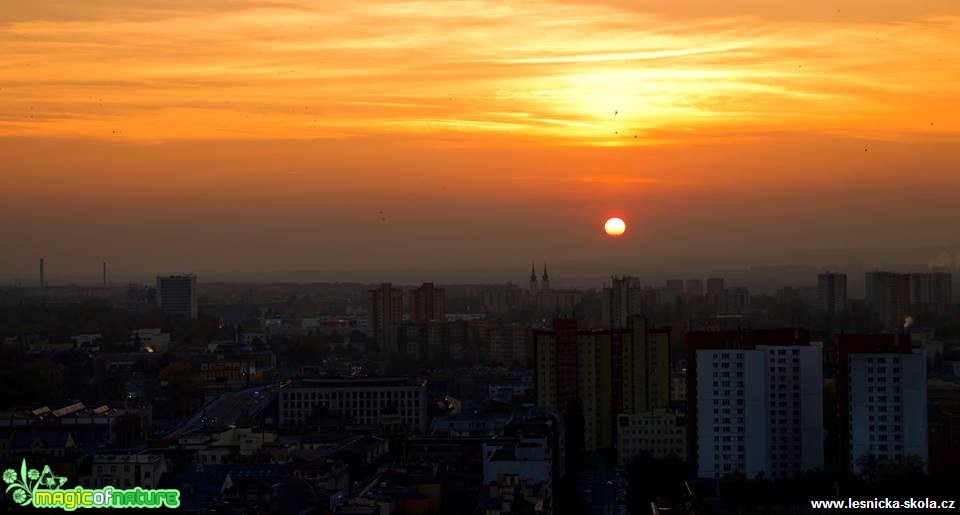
(183, 135)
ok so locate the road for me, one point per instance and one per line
(598, 489)
(228, 409)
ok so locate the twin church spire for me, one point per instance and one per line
(544, 283)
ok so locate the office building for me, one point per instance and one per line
(608, 372)
(881, 400)
(177, 295)
(832, 292)
(755, 403)
(363, 400)
(385, 312)
(888, 298)
(427, 303)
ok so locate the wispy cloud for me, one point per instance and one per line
(552, 72)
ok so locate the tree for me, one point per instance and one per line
(655, 477)
(128, 429)
(402, 365)
(182, 387)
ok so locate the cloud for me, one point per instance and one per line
(590, 73)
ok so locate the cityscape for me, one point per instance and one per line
(691, 396)
(480, 257)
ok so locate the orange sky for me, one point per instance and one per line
(269, 134)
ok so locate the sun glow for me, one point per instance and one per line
(615, 227)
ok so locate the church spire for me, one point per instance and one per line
(545, 282)
(533, 276)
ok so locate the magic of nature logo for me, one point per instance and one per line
(44, 489)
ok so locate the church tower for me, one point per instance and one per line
(545, 282)
(533, 278)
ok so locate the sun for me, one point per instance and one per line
(615, 227)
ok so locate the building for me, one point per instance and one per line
(678, 387)
(509, 344)
(755, 403)
(421, 340)
(528, 458)
(661, 433)
(608, 372)
(385, 311)
(152, 340)
(715, 285)
(932, 291)
(126, 471)
(693, 287)
(85, 425)
(500, 299)
(672, 291)
(621, 300)
(888, 298)
(881, 400)
(832, 292)
(177, 295)
(511, 495)
(568, 300)
(428, 303)
(233, 369)
(361, 399)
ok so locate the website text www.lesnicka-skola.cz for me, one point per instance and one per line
(877, 503)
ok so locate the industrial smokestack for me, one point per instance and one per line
(42, 283)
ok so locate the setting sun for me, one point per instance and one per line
(614, 226)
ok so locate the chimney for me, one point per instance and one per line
(104, 274)
(42, 283)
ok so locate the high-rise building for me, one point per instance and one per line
(427, 303)
(568, 300)
(501, 298)
(931, 291)
(881, 400)
(755, 402)
(608, 372)
(385, 312)
(714, 285)
(672, 291)
(832, 292)
(888, 297)
(177, 295)
(694, 287)
(509, 344)
(622, 300)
